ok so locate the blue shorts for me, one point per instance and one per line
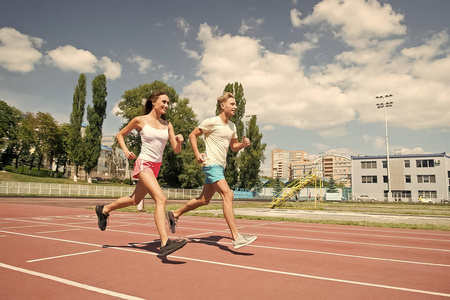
(213, 173)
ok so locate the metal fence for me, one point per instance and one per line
(12, 188)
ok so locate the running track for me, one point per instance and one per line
(59, 253)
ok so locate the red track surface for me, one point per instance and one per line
(59, 253)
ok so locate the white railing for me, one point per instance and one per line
(13, 188)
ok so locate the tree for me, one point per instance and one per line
(182, 170)
(232, 171)
(251, 157)
(9, 120)
(76, 146)
(332, 186)
(26, 138)
(62, 147)
(46, 130)
(95, 116)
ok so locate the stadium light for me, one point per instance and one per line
(385, 105)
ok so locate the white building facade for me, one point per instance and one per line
(411, 176)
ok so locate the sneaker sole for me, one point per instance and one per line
(99, 212)
(172, 250)
(246, 244)
(173, 228)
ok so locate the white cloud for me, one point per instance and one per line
(295, 15)
(275, 87)
(357, 21)
(190, 53)
(377, 142)
(406, 151)
(69, 58)
(183, 25)
(144, 64)
(18, 51)
(250, 24)
(281, 90)
(112, 70)
(268, 127)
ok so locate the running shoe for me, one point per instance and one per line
(244, 240)
(102, 218)
(172, 246)
(172, 221)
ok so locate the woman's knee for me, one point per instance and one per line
(161, 200)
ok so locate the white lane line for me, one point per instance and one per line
(350, 242)
(254, 268)
(60, 256)
(203, 233)
(363, 234)
(70, 282)
(329, 253)
(277, 236)
(16, 227)
(62, 230)
(3, 235)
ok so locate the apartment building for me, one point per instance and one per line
(329, 166)
(411, 176)
(281, 160)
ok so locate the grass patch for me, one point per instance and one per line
(197, 213)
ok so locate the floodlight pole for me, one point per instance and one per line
(384, 105)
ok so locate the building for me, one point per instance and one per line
(329, 166)
(411, 176)
(281, 160)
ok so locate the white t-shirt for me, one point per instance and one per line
(218, 136)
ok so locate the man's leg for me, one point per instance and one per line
(224, 190)
(227, 195)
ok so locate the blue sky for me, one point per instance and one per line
(310, 69)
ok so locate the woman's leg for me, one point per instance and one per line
(139, 193)
(151, 184)
(204, 199)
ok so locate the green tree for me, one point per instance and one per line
(46, 130)
(62, 147)
(9, 120)
(182, 170)
(26, 138)
(232, 170)
(75, 142)
(95, 116)
(252, 156)
(331, 186)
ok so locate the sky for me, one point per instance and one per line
(311, 70)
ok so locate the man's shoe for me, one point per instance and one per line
(102, 218)
(244, 240)
(172, 221)
(172, 246)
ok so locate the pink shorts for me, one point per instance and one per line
(145, 166)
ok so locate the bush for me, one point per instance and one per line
(115, 180)
(128, 181)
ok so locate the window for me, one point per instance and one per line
(408, 178)
(368, 165)
(385, 179)
(384, 164)
(426, 179)
(407, 163)
(369, 179)
(429, 194)
(425, 163)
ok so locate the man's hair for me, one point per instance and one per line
(224, 97)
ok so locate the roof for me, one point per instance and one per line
(401, 156)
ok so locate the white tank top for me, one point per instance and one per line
(153, 143)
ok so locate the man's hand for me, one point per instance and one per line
(245, 141)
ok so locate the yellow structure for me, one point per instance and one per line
(295, 187)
